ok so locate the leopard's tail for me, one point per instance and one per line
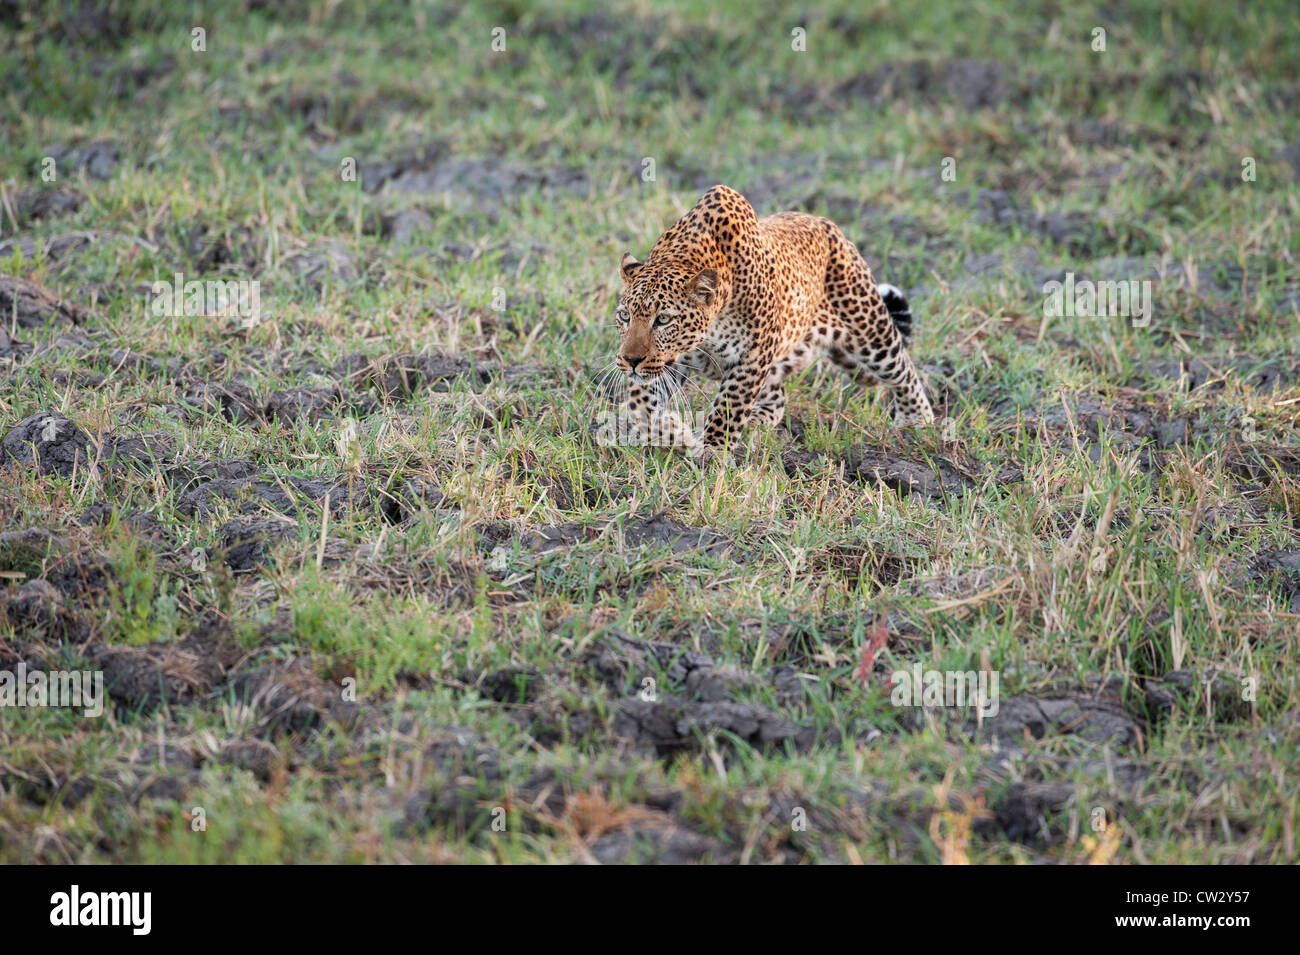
(899, 310)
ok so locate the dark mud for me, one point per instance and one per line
(435, 169)
(329, 262)
(291, 697)
(935, 481)
(33, 306)
(98, 160)
(32, 205)
(1131, 423)
(1213, 374)
(1279, 572)
(47, 442)
(970, 83)
(1103, 721)
(671, 725)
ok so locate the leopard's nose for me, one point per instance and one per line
(633, 360)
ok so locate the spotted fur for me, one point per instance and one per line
(747, 302)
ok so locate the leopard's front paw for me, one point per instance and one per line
(704, 455)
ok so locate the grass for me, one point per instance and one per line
(446, 663)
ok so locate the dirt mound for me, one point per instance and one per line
(671, 725)
(35, 204)
(435, 171)
(290, 697)
(34, 306)
(972, 83)
(48, 442)
(1103, 720)
(245, 544)
(39, 613)
(402, 375)
(662, 531)
(97, 159)
(932, 481)
(145, 678)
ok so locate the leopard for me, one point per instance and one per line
(747, 302)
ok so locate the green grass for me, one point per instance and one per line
(481, 659)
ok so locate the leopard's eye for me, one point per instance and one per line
(620, 316)
(661, 320)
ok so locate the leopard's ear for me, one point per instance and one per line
(628, 266)
(705, 285)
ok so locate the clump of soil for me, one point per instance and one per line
(1182, 687)
(401, 375)
(671, 725)
(1098, 720)
(329, 261)
(1212, 373)
(860, 564)
(237, 249)
(38, 611)
(1130, 424)
(1024, 808)
(618, 660)
(290, 697)
(655, 841)
(233, 400)
(159, 674)
(1073, 229)
(1279, 571)
(663, 531)
(146, 366)
(974, 84)
(55, 248)
(48, 442)
(401, 227)
(513, 684)
(931, 482)
(257, 756)
(1258, 461)
(314, 404)
(97, 159)
(245, 544)
(34, 306)
(253, 494)
(145, 525)
(34, 204)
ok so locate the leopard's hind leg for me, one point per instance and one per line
(870, 343)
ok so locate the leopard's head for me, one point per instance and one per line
(665, 310)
